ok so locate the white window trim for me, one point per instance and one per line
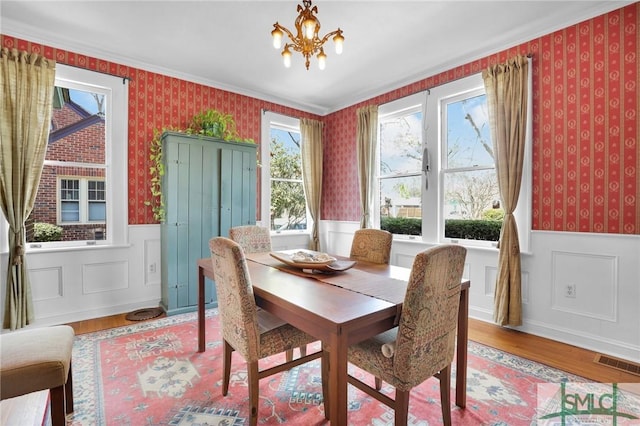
(392, 109)
(285, 122)
(116, 164)
(433, 221)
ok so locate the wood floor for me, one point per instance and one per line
(24, 411)
(564, 357)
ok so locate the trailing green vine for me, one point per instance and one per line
(156, 170)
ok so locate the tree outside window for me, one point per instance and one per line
(288, 204)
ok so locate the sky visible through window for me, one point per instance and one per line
(84, 99)
(468, 134)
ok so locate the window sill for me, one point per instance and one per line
(416, 240)
(38, 250)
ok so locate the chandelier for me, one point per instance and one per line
(306, 40)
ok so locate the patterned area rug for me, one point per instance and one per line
(151, 374)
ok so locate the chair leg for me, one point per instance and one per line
(68, 392)
(303, 351)
(289, 355)
(325, 382)
(445, 394)
(401, 407)
(226, 366)
(378, 383)
(58, 415)
(252, 373)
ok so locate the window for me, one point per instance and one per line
(470, 196)
(283, 202)
(400, 173)
(82, 201)
(82, 192)
(453, 170)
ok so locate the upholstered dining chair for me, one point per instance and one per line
(252, 238)
(423, 344)
(257, 239)
(253, 333)
(371, 245)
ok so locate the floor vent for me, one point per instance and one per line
(618, 364)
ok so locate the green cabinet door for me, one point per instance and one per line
(209, 186)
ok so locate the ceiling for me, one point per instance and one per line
(227, 44)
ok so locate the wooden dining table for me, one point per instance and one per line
(338, 309)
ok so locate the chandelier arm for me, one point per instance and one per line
(295, 47)
(286, 31)
(326, 37)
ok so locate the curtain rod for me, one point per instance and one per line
(428, 89)
(123, 77)
(265, 110)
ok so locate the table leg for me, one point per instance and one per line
(201, 319)
(338, 380)
(461, 351)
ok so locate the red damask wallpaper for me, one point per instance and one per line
(585, 106)
(586, 134)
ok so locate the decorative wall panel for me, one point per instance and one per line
(46, 283)
(105, 277)
(585, 284)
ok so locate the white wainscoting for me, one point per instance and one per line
(74, 285)
(603, 269)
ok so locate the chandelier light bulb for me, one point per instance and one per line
(338, 40)
(309, 28)
(322, 60)
(277, 37)
(286, 56)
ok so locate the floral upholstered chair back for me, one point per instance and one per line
(252, 238)
(425, 341)
(371, 245)
(236, 302)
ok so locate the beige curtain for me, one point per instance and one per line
(506, 86)
(311, 132)
(27, 84)
(366, 140)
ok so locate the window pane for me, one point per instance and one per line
(69, 189)
(288, 204)
(76, 150)
(288, 208)
(401, 144)
(468, 138)
(96, 191)
(70, 211)
(472, 197)
(285, 162)
(97, 212)
(400, 205)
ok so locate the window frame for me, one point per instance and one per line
(433, 219)
(405, 106)
(83, 200)
(116, 165)
(272, 119)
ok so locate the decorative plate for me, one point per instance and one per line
(306, 259)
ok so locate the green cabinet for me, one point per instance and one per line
(209, 186)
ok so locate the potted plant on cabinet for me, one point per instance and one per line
(212, 123)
